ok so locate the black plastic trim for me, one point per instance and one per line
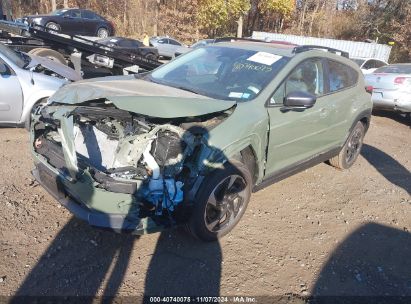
(291, 170)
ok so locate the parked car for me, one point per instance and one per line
(74, 22)
(166, 46)
(190, 141)
(185, 49)
(26, 81)
(130, 45)
(391, 87)
(369, 65)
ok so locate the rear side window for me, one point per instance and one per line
(340, 76)
(88, 15)
(173, 42)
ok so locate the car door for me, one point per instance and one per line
(11, 100)
(297, 135)
(72, 23)
(173, 45)
(90, 23)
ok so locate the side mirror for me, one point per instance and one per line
(3, 68)
(299, 100)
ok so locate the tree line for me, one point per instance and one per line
(382, 21)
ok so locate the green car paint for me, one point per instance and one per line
(279, 137)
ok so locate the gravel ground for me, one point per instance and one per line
(320, 232)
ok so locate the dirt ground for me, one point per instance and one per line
(321, 232)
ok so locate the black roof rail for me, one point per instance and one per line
(228, 39)
(304, 48)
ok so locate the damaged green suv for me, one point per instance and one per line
(187, 143)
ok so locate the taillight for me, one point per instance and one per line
(369, 89)
(399, 80)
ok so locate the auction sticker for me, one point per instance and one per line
(264, 58)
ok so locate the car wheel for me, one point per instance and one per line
(221, 201)
(102, 32)
(50, 54)
(351, 149)
(53, 28)
(151, 57)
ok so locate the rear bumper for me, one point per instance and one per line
(391, 102)
(58, 187)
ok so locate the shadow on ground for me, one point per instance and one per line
(372, 261)
(397, 116)
(88, 262)
(388, 167)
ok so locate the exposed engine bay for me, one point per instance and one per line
(155, 160)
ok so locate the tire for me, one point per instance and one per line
(53, 27)
(102, 32)
(50, 54)
(351, 149)
(221, 201)
(151, 56)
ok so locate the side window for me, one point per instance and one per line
(75, 14)
(379, 64)
(4, 68)
(126, 43)
(341, 76)
(88, 15)
(173, 42)
(306, 77)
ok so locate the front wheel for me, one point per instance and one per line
(351, 149)
(221, 201)
(53, 27)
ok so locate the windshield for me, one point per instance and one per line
(221, 72)
(358, 61)
(394, 69)
(17, 58)
(58, 12)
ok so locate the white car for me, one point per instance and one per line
(369, 65)
(25, 81)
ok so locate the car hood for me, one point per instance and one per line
(54, 66)
(141, 97)
(30, 17)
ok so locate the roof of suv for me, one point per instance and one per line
(280, 49)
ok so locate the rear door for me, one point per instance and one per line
(90, 22)
(72, 23)
(11, 99)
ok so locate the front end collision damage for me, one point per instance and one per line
(120, 170)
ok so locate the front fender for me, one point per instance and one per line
(246, 127)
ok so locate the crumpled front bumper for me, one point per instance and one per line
(65, 192)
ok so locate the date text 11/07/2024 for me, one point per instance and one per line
(234, 299)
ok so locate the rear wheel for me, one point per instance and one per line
(50, 54)
(221, 201)
(352, 148)
(102, 32)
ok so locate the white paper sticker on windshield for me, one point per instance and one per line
(235, 94)
(264, 58)
(113, 40)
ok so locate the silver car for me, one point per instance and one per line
(391, 87)
(166, 46)
(26, 81)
